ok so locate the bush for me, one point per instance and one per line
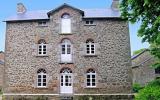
(136, 87)
(150, 92)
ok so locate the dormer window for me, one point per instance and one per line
(42, 23)
(65, 23)
(89, 22)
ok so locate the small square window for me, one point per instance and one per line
(89, 22)
(42, 23)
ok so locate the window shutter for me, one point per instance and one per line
(83, 49)
(97, 49)
(59, 53)
(34, 49)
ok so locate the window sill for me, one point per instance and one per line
(90, 87)
(65, 62)
(89, 24)
(90, 55)
(43, 87)
(42, 56)
(65, 33)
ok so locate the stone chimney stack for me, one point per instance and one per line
(21, 8)
(115, 4)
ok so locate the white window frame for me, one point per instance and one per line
(43, 47)
(66, 56)
(90, 44)
(41, 74)
(91, 83)
(65, 24)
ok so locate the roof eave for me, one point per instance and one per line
(102, 17)
(25, 20)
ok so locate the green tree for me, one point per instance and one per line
(148, 12)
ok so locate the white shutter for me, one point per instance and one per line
(66, 26)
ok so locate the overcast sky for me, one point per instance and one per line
(8, 8)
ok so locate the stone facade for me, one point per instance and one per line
(142, 68)
(111, 61)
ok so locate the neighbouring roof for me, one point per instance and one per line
(137, 55)
(43, 14)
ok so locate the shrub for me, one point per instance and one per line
(150, 92)
(136, 87)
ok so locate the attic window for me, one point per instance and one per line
(89, 22)
(42, 23)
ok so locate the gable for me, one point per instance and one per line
(63, 6)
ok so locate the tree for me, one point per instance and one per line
(148, 12)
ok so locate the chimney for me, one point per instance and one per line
(115, 4)
(21, 8)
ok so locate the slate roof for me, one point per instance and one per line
(29, 15)
(43, 14)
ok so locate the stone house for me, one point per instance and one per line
(68, 53)
(141, 68)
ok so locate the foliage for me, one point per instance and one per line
(155, 50)
(138, 51)
(148, 12)
(137, 87)
(150, 92)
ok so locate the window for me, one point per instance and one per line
(90, 47)
(89, 22)
(42, 47)
(65, 23)
(66, 47)
(91, 78)
(42, 23)
(41, 78)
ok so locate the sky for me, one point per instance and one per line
(8, 8)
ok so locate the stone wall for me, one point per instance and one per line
(112, 62)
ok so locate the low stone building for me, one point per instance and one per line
(68, 53)
(142, 69)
